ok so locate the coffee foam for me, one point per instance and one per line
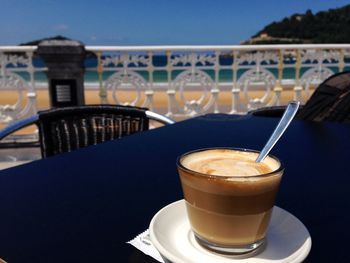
(228, 163)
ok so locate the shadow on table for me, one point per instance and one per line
(224, 117)
(138, 256)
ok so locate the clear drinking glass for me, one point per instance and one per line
(230, 214)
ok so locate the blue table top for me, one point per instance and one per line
(83, 206)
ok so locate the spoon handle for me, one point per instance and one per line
(286, 119)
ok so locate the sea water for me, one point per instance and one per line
(160, 75)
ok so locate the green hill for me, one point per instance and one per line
(332, 26)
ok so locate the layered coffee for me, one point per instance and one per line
(229, 196)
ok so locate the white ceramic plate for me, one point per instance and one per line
(288, 240)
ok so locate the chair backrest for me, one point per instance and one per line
(70, 128)
(272, 112)
(330, 101)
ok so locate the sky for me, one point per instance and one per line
(147, 22)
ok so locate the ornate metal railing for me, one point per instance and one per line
(192, 77)
(15, 61)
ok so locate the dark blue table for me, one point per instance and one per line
(83, 206)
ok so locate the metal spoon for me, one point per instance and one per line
(286, 119)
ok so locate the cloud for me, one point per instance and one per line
(61, 27)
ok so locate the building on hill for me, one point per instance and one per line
(265, 38)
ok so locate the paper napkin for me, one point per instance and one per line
(143, 243)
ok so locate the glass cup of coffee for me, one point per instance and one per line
(229, 197)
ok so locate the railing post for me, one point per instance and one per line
(216, 91)
(2, 64)
(149, 92)
(341, 61)
(170, 92)
(235, 91)
(276, 100)
(31, 93)
(298, 88)
(102, 90)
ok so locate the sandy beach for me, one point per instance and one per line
(160, 98)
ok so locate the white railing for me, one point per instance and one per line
(192, 77)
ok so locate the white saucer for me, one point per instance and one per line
(288, 240)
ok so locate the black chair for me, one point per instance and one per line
(70, 128)
(329, 102)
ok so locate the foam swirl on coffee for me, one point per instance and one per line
(226, 162)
